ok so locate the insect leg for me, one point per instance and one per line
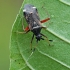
(23, 32)
(36, 45)
(32, 41)
(26, 30)
(44, 27)
(46, 10)
(46, 38)
(23, 24)
(45, 20)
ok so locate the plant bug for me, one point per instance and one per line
(30, 13)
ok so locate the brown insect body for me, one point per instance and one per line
(34, 24)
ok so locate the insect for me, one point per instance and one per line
(30, 13)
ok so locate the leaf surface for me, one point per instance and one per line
(45, 57)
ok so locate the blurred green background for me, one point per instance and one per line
(8, 11)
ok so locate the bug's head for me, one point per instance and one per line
(38, 37)
(30, 13)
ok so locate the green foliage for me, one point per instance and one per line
(45, 57)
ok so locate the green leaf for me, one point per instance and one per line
(45, 57)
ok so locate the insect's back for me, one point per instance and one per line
(31, 14)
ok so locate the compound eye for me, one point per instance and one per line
(36, 9)
(24, 13)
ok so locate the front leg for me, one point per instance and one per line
(26, 30)
(23, 32)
